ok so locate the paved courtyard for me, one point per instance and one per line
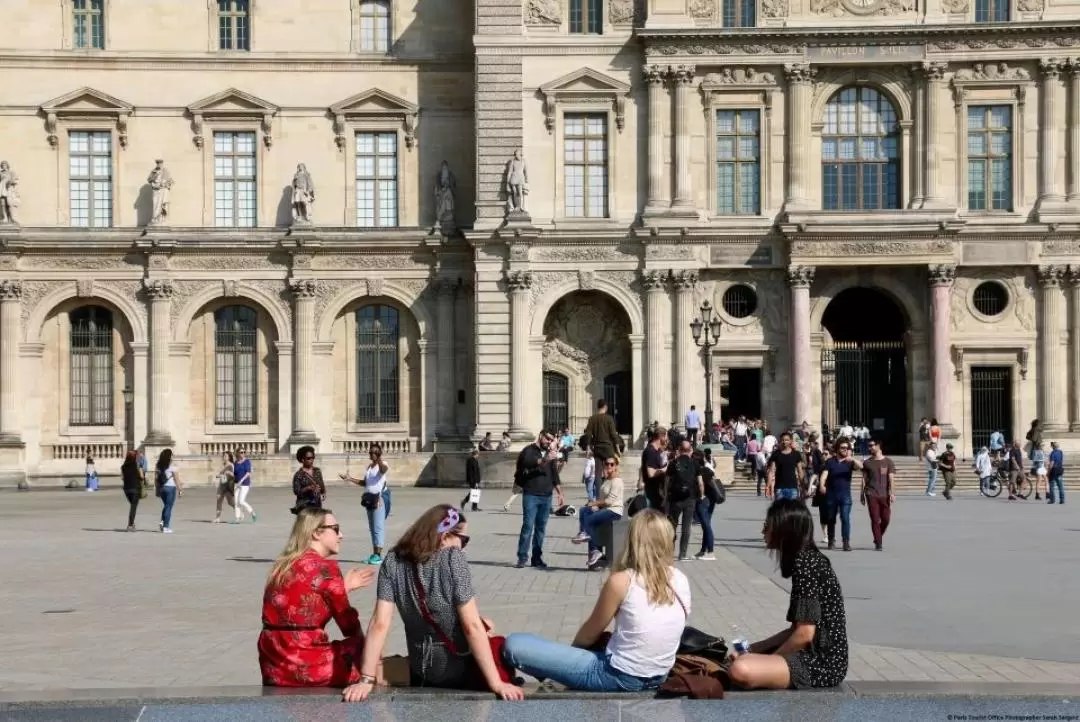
(973, 591)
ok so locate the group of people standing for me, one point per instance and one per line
(167, 485)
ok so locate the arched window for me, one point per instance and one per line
(91, 367)
(556, 401)
(860, 155)
(235, 364)
(374, 26)
(378, 365)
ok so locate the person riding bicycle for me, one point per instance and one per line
(1016, 467)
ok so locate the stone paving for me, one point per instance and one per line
(90, 607)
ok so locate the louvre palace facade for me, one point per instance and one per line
(263, 223)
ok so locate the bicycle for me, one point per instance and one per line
(991, 486)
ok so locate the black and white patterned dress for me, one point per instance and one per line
(816, 598)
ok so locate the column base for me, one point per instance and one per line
(303, 438)
(948, 431)
(521, 434)
(161, 439)
(1055, 209)
(11, 441)
(656, 209)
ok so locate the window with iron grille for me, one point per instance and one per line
(378, 365)
(235, 365)
(556, 401)
(374, 26)
(234, 180)
(91, 348)
(90, 195)
(739, 301)
(992, 11)
(738, 162)
(740, 13)
(376, 180)
(585, 165)
(586, 17)
(989, 140)
(860, 152)
(990, 298)
(88, 24)
(234, 24)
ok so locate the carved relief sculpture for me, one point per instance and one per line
(9, 194)
(543, 12)
(774, 8)
(739, 76)
(516, 186)
(955, 6)
(620, 12)
(1029, 6)
(445, 188)
(303, 195)
(702, 9)
(160, 182)
(992, 71)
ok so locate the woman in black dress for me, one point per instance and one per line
(813, 651)
(307, 482)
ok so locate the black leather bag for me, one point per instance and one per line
(369, 500)
(694, 641)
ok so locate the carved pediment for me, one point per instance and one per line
(86, 103)
(375, 104)
(232, 104)
(585, 86)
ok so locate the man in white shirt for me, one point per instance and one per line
(693, 424)
(768, 444)
(846, 431)
(740, 430)
(984, 468)
(931, 469)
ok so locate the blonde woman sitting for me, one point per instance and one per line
(649, 600)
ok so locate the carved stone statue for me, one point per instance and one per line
(303, 195)
(445, 188)
(517, 185)
(160, 181)
(9, 194)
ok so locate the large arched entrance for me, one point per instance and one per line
(864, 377)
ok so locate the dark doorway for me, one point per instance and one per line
(556, 402)
(864, 375)
(742, 394)
(617, 394)
(991, 404)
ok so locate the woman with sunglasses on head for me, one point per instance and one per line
(307, 482)
(607, 508)
(375, 500)
(304, 591)
(426, 578)
(835, 485)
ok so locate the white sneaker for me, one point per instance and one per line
(930, 493)
(166, 530)
(686, 559)
(594, 557)
(581, 538)
(706, 557)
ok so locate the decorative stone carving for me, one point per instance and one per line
(702, 9)
(800, 276)
(519, 251)
(586, 280)
(1024, 307)
(1007, 42)
(799, 73)
(211, 263)
(585, 253)
(516, 186)
(77, 262)
(184, 290)
(445, 189)
(365, 261)
(774, 8)
(519, 281)
(955, 6)
(161, 183)
(1051, 68)
(942, 274)
(934, 71)
(32, 293)
(9, 194)
(1030, 6)
(590, 337)
(1061, 248)
(10, 289)
(684, 280)
(682, 75)
(620, 12)
(723, 48)
(159, 289)
(541, 284)
(837, 8)
(374, 286)
(543, 12)
(669, 252)
(1050, 276)
(303, 287)
(229, 289)
(656, 74)
(585, 86)
(738, 76)
(654, 280)
(991, 71)
(828, 249)
(84, 287)
(303, 196)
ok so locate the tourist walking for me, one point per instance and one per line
(133, 486)
(538, 476)
(706, 505)
(1016, 468)
(374, 483)
(1034, 437)
(935, 434)
(835, 484)
(947, 468)
(785, 470)
(1038, 468)
(924, 436)
(693, 424)
(168, 486)
(681, 493)
(472, 480)
(226, 485)
(307, 483)
(654, 465)
(879, 473)
(984, 467)
(602, 436)
(606, 509)
(740, 431)
(91, 474)
(931, 459)
(242, 474)
(1056, 473)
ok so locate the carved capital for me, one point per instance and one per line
(159, 289)
(445, 288)
(10, 290)
(303, 288)
(682, 74)
(656, 74)
(519, 281)
(799, 73)
(1074, 276)
(934, 71)
(1051, 276)
(654, 281)
(942, 274)
(800, 276)
(685, 280)
(1051, 68)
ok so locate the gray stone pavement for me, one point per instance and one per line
(89, 607)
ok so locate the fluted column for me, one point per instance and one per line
(683, 78)
(519, 284)
(800, 278)
(1074, 347)
(1049, 127)
(303, 291)
(444, 295)
(685, 348)
(10, 312)
(800, 78)
(1074, 130)
(1052, 408)
(941, 279)
(934, 75)
(636, 383)
(655, 77)
(160, 292)
(655, 284)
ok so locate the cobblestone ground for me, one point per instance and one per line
(88, 606)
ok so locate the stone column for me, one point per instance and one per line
(685, 348)
(637, 385)
(655, 77)
(655, 284)
(445, 417)
(683, 78)
(519, 283)
(1074, 130)
(303, 291)
(935, 86)
(1052, 408)
(1074, 347)
(941, 281)
(160, 292)
(10, 318)
(918, 192)
(800, 78)
(1049, 127)
(800, 278)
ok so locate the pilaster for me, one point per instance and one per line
(941, 278)
(1074, 348)
(1074, 132)
(800, 79)
(682, 77)
(10, 321)
(934, 87)
(1051, 199)
(1052, 408)
(445, 290)
(800, 278)
(160, 292)
(655, 77)
(519, 284)
(303, 292)
(657, 366)
(685, 349)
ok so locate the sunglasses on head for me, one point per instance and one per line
(336, 528)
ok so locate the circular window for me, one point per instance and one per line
(739, 301)
(990, 298)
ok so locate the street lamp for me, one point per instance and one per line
(706, 332)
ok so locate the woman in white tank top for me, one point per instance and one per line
(648, 599)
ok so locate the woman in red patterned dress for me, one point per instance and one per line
(304, 591)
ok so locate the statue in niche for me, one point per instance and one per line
(517, 185)
(9, 194)
(161, 182)
(303, 195)
(445, 188)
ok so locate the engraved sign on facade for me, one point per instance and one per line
(738, 254)
(862, 53)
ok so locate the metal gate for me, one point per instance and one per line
(617, 393)
(865, 382)
(991, 404)
(556, 402)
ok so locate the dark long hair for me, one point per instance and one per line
(164, 460)
(790, 529)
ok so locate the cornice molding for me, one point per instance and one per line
(106, 60)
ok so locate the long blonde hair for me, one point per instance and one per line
(307, 522)
(648, 552)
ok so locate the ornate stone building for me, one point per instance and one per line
(879, 198)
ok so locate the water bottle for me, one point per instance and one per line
(739, 643)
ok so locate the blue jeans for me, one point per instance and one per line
(931, 480)
(386, 502)
(740, 448)
(843, 507)
(703, 512)
(168, 498)
(792, 494)
(589, 521)
(1057, 482)
(376, 519)
(590, 489)
(575, 668)
(535, 510)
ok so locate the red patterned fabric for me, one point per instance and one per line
(294, 649)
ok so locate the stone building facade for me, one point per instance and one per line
(879, 198)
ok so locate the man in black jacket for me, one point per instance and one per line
(538, 476)
(603, 436)
(472, 477)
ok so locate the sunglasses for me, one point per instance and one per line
(464, 539)
(610, 464)
(336, 528)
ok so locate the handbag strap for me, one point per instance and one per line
(421, 600)
(679, 600)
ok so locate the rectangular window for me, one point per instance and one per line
(991, 11)
(374, 26)
(90, 179)
(235, 365)
(91, 358)
(234, 25)
(989, 139)
(88, 24)
(376, 180)
(377, 365)
(738, 162)
(585, 169)
(586, 17)
(234, 180)
(740, 13)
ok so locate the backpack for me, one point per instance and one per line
(683, 478)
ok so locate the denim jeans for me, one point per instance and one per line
(590, 489)
(386, 502)
(704, 511)
(792, 494)
(740, 448)
(535, 510)
(843, 508)
(931, 480)
(168, 498)
(579, 669)
(376, 519)
(589, 521)
(1058, 483)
